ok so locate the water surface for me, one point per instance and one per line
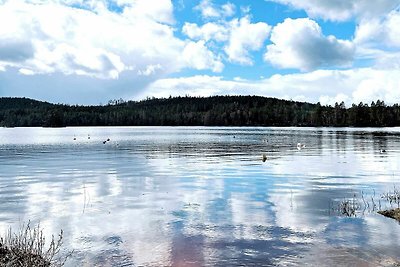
(199, 196)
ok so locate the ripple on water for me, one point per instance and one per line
(202, 196)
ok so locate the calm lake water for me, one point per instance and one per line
(198, 196)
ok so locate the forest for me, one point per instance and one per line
(197, 111)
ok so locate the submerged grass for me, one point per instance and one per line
(387, 205)
(393, 197)
(349, 207)
(27, 247)
(356, 205)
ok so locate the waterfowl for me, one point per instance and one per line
(264, 158)
(300, 146)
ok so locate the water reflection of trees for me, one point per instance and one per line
(166, 202)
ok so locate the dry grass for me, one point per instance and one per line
(27, 248)
(393, 197)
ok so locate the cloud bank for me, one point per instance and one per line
(325, 86)
(79, 51)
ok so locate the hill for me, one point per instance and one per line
(196, 111)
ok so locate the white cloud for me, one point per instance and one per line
(325, 86)
(300, 44)
(197, 56)
(26, 71)
(340, 10)
(195, 86)
(87, 53)
(379, 39)
(379, 84)
(48, 36)
(157, 10)
(245, 9)
(387, 60)
(380, 31)
(369, 30)
(207, 32)
(329, 100)
(209, 10)
(150, 70)
(52, 37)
(245, 37)
(239, 37)
(392, 28)
(228, 9)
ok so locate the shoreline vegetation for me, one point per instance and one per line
(387, 204)
(27, 247)
(197, 111)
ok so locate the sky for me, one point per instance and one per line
(89, 52)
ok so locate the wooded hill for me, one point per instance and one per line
(197, 111)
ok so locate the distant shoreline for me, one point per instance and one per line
(218, 111)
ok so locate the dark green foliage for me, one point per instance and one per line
(197, 111)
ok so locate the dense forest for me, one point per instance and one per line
(196, 111)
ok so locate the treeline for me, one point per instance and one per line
(197, 111)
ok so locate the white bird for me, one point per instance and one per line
(300, 146)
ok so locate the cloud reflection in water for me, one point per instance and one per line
(199, 196)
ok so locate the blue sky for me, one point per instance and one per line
(88, 52)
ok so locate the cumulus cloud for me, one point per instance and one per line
(197, 56)
(239, 37)
(340, 10)
(206, 32)
(53, 37)
(392, 23)
(86, 46)
(245, 36)
(209, 10)
(157, 10)
(228, 9)
(300, 44)
(378, 39)
(380, 31)
(325, 86)
(121, 48)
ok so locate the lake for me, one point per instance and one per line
(202, 196)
